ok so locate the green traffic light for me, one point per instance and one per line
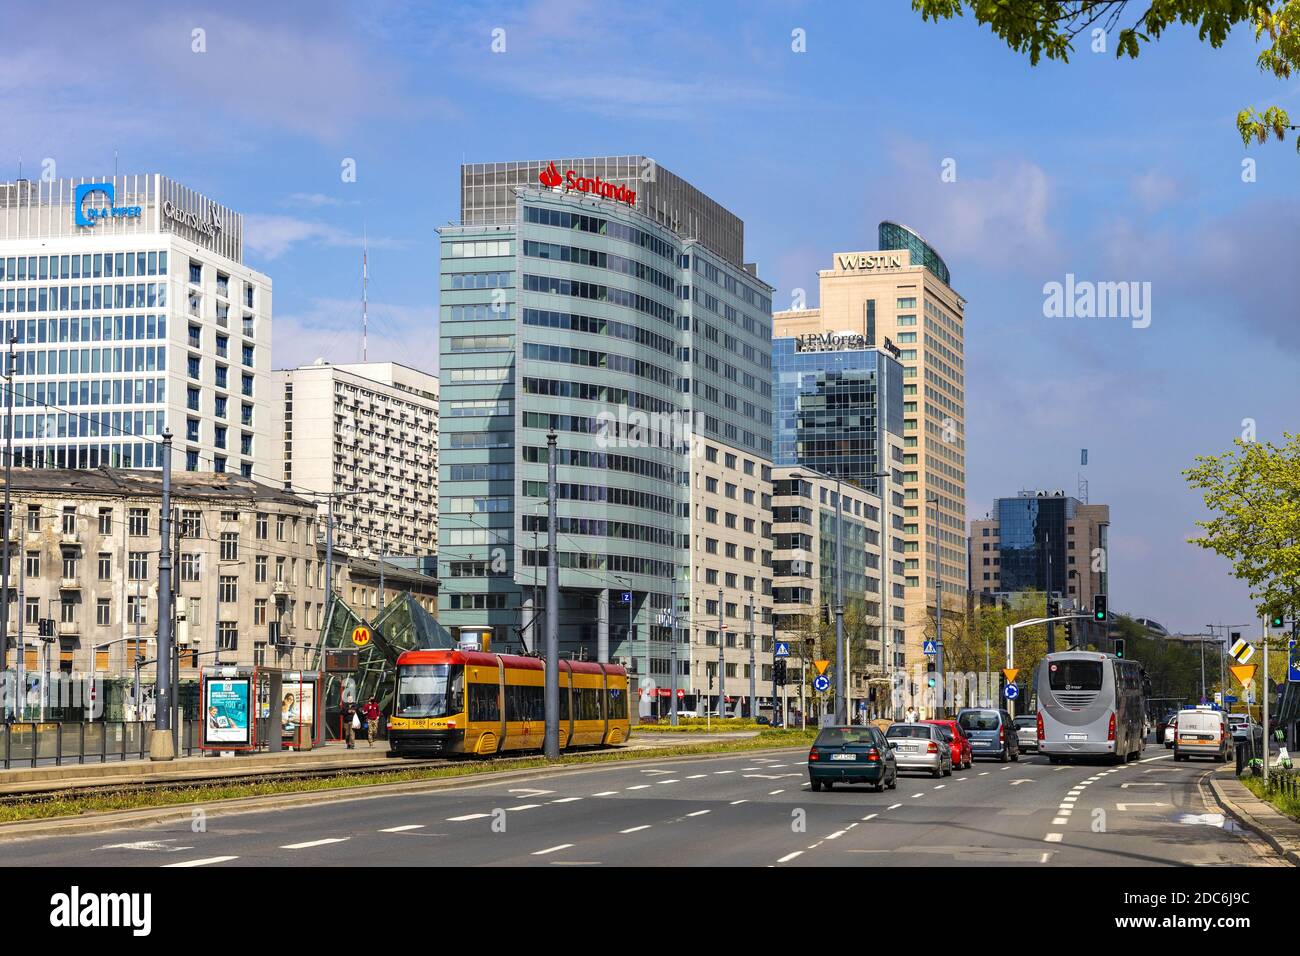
(1277, 621)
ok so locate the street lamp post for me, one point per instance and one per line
(753, 697)
(938, 611)
(8, 511)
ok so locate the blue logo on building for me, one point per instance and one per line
(88, 217)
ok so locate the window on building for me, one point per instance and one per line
(105, 566)
(138, 522)
(138, 565)
(103, 612)
(230, 546)
(229, 589)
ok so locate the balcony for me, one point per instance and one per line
(69, 539)
(70, 584)
(69, 628)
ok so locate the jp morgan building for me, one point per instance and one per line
(626, 321)
(132, 311)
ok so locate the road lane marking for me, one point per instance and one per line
(941, 786)
(1060, 821)
(552, 849)
(1069, 799)
(468, 816)
(1045, 857)
(698, 813)
(1054, 837)
(207, 861)
(662, 782)
(566, 799)
(984, 773)
(605, 793)
(311, 843)
(773, 793)
(915, 795)
(959, 779)
(837, 834)
(894, 807)
(644, 826)
(737, 802)
(1019, 780)
(530, 792)
(656, 771)
(696, 776)
(639, 786)
(870, 816)
(1125, 806)
(1144, 783)
(403, 829)
(524, 806)
(790, 856)
(718, 772)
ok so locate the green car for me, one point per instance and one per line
(851, 755)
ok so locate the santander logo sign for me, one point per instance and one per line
(551, 178)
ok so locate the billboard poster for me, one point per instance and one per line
(226, 705)
(298, 705)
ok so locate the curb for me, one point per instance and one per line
(1282, 845)
(120, 819)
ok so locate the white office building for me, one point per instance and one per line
(131, 310)
(366, 434)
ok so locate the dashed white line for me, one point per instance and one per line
(894, 807)
(524, 806)
(915, 795)
(698, 813)
(959, 779)
(790, 856)
(1045, 857)
(837, 834)
(870, 816)
(662, 782)
(605, 793)
(1060, 821)
(552, 849)
(639, 786)
(941, 786)
(566, 799)
(311, 843)
(984, 773)
(773, 793)
(737, 802)
(718, 772)
(1054, 837)
(207, 861)
(644, 826)
(468, 816)
(696, 776)
(403, 829)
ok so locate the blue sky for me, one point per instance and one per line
(1112, 171)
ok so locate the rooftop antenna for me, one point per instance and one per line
(115, 164)
(1083, 482)
(365, 293)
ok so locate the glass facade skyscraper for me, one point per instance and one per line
(646, 351)
(832, 407)
(133, 312)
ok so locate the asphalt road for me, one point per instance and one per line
(734, 810)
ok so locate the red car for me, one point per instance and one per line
(961, 751)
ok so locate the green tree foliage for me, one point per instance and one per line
(1049, 28)
(1253, 494)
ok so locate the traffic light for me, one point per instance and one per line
(929, 679)
(1119, 647)
(1053, 607)
(1069, 630)
(1277, 621)
(1099, 607)
(778, 673)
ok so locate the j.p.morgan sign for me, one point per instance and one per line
(829, 342)
(868, 261)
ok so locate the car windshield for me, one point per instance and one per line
(838, 736)
(979, 720)
(1074, 675)
(429, 690)
(909, 730)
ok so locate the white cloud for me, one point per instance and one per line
(330, 328)
(270, 236)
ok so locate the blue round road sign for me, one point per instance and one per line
(821, 683)
(1012, 692)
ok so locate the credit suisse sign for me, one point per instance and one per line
(550, 178)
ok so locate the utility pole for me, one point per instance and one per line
(722, 659)
(672, 653)
(938, 612)
(8, 511)
(329, 550)
(753, 697)
(22, 643)
(1267, 694)
(161, 745)
(886, 524)
(382, 547)
(841, 657)
(551, 698)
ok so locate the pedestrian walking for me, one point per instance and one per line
(370, 711)
(351, 724)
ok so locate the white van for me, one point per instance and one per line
(1202, 732)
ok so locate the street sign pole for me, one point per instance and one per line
(672, 652)
(1264, 622)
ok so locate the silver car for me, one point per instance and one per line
(1027, 732)
(920, 747)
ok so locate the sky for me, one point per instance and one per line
(1106, 170)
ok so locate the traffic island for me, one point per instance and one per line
(1280, 831)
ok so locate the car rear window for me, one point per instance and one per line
(979, 720)
(1074, 675)
(838, 736)
(1027, 722)
(908, 730)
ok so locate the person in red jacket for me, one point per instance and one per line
(370, 711)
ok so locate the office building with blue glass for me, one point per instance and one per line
(132, 312)
(606, 299)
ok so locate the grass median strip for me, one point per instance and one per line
(15, 810)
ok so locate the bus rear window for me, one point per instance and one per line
(1074, 675)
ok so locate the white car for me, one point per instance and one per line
(1169, 733)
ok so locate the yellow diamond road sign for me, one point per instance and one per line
(821, 666)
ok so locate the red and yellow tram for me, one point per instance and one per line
(474, 702)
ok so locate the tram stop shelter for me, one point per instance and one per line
(246, 709)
